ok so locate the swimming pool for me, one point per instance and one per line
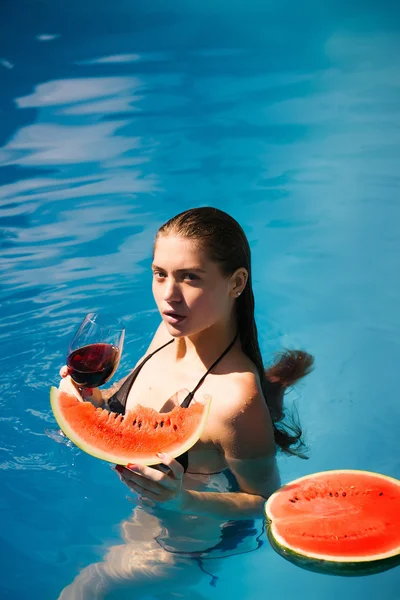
(115, 117)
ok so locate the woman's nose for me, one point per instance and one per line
(171, 292)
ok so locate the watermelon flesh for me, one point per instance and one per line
(135, 437)
(341, 522)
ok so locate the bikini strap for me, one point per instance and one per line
(191, 394)
(117, 402)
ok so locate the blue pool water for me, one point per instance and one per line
(113, 117)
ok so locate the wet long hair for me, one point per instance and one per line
(225, 242)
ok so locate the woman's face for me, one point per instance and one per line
(190, 290)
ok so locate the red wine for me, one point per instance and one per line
(93, 365)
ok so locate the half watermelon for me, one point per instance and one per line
(340, 522)
(135, 437)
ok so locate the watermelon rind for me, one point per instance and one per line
(320, 563)
(118, 457)
(330, 567)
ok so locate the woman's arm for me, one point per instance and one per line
(238, 505)
(247, 442)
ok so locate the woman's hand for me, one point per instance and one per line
(165, 489)
(93, 395)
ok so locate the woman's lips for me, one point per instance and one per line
(173, 317)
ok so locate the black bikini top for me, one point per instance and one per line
(117, 402)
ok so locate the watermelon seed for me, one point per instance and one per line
(139, 424)
(291, 500)
(381, 493)
(336, 494)
(296, 498)
(344, 494)
(330, 493)
(175, 427)
(134, 422)
(155, 425)
(161, 423)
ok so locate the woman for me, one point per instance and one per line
(207, 343)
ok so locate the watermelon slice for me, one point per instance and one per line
(135, 437)
(340, 522)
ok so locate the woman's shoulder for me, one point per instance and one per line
(240, 388)
(245, 390)
(243, 425)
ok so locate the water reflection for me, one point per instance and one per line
(47, 37)
(163, 552)
(67, 91)
(6, 63)
(54, 144)
(113, 59)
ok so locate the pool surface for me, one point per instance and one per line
(114, 116)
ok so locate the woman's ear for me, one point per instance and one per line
(238, 281)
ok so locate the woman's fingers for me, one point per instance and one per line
(142, 492)
(139, 484)
(150, 481)
(67, 385)
(150, 478)
(172, 464)
(64, 371)
(175, 469)
(166, 491)
(94, 395)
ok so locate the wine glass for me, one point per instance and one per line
(95, 350)
(93, 357)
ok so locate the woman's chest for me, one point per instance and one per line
(162, 385)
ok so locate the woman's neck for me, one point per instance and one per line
(205, 346)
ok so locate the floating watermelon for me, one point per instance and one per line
(339, 522)
(135, 437)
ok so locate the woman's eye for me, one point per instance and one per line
(158, 274)
(190, 277)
